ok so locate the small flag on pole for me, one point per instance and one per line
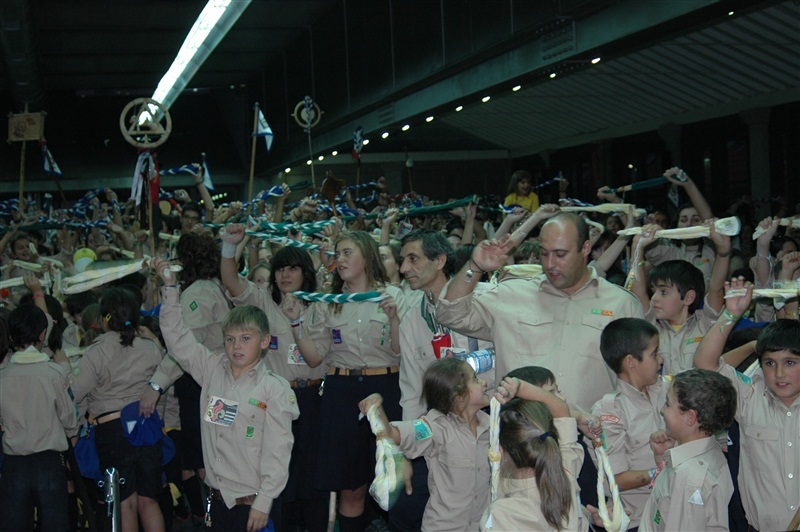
(264, 130)
(50, 166)
(358, 142)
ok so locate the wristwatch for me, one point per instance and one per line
(156, 387)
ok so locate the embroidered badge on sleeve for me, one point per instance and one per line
(421, 430)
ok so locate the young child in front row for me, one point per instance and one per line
(680, 307)
(768, 412)
(247, 424)
(631, 413)
(540, 461)
(693, 489)
(454, 439)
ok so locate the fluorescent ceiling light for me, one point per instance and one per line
(214, 22)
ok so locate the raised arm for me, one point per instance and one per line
(231, 235)
(719, 273)
(764, 264)
(391, 432)
(640, 242)
(513, 387)
(487, 256)
(790, 263)
(710, 349)
(695, 196)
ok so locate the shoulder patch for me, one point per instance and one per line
(193, 305)
(744, 378)
(608, 418)
(421, 430)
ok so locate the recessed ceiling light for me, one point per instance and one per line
(429, 119)
(630, 167)
(730, 13)
(459, 108)
(287, 170)
(552, 75)
(385, 135)
(486, 99)
(365, 142)
(406, 127)
(308, 162)
(321, 157)
(334, 153)
(516, 88)
(595, 60)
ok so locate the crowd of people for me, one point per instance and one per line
(225, 378)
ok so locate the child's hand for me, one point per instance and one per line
(257, 520)
(790, 262)
(161, 267)
(389, 307)
(594, 513)
(722, 242)
(375, 399)
(291, 307)
(507, 390)
(661, 442)
(589, 424)
(770, 227)
(232, 234)
(32, 283)
(647, 236)
(672, 176)
(738, 305)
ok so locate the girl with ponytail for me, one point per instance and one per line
(540, 461)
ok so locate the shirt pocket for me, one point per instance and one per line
(250, 426)
(762, 446)
(380, 332)
(638, 446)
(530, 326)
(591, 327)
(459, 468)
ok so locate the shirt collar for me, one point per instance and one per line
(593, 281)
(682, 453)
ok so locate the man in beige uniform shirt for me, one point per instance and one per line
(553, 320)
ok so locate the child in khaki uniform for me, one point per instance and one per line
(247, 425)
(693, 489)
(631, 414)
(768, 414)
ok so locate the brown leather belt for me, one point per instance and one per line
(363, 371)
(217, 495)
(105, 418)
(304, 383)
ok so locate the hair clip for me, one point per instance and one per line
(544, 436)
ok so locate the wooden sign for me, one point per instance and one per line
(25, 126)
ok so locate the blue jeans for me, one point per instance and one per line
(38, 480)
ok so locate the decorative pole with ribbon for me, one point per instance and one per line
(253, 150)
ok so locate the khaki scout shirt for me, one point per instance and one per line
(358, 336)
(693, 490)
(765, 309)
(518, 504)
(769, 443)
(111, 376)
(36, 410)
(416, 352)
(629, 417)
(248, 442)
(533, 323)
(664, 249)
(283, 357)
(458, 464)
(677, 348)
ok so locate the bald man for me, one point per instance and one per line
(553, 320)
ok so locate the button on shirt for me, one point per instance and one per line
(769, 468)
(358, 336)
(458, 463)
(251, 455)
(693, 490)
(533, 323)
(629, 418)
(277, 357)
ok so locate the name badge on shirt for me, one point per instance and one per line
(336, 336)
(295, 357)
(273, 343)
(221, 411)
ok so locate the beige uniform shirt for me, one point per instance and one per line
(111, 376)
(629, 417)
(664, 249)
(769, 443)
(36, 410)
(416, 352)
(677, 348)
(283, 357)
(518, 504)
(359, 336)
(533, 323)
(247, 424)
(458, 464)
(693, 490)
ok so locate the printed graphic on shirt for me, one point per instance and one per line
(450, 352)
(295, 357)
(255, 402)
(273, 343)
(251, 430)
(221, 411)
(421, 430)
(602, 312)
(193, 305)
(336, 336)
(695, 340)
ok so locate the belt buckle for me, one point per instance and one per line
(301, 383)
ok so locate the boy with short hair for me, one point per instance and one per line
(693, 489)
(247, 424)
(631, 414)
(768, 414)
(37, 414)
(680, 308)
